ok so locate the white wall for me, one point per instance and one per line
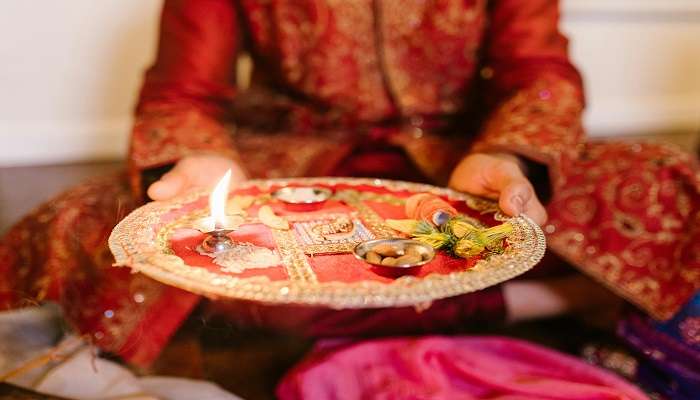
(641, 63)
(69, 75)
(70, 71)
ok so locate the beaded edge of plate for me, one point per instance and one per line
(133, 244)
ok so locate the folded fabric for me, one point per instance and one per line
(438, 367)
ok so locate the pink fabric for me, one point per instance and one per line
(454, 368)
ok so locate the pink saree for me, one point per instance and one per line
(449, 368)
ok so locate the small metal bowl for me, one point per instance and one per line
(302, 198)
(217, 240)
(427, 252)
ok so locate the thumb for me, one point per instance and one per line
(515, 195)
(168, 186)
(519, 197)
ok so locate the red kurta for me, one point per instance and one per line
(333, 78)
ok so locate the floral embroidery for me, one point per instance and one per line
(429, 73)
(629, 232)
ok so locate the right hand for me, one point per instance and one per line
(196, 171)
(499, 176)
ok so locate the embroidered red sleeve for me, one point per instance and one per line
(533, 91)
(185, 92)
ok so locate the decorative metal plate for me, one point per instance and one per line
(142, 242)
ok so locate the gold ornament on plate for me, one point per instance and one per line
(134, 243)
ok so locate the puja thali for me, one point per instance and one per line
(291, 250)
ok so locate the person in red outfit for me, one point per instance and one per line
(477, 95)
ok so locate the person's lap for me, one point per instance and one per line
(60, 253)
(61, 248)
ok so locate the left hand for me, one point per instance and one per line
(193, 171)
(499, 176)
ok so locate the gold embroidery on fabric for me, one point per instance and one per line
(542, 121)
(636, 206)
(430, 51)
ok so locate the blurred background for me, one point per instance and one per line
(70, 71)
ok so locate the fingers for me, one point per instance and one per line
(195, 171)
(515, 196)
(519, 198)
(536, 211)
(502, 179)
(206, 170)
(238, 175)
(467, 177)
(169, 185)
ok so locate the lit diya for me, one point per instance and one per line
(217, 226)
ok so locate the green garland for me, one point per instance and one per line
(460, 236)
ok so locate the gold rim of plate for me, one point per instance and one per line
(134, 244)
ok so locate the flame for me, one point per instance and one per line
(217, 200)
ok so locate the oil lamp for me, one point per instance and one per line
(218, 225)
